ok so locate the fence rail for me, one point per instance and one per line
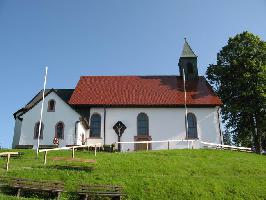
(226, 146)
(190, 143)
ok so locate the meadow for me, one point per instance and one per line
(164, 174)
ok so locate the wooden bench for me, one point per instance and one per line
(41, 186)
(93, 191)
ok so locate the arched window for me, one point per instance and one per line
(143, 124)
(190, 68)
(36, 130)
(192, 126)
(59, 130)
(95, 126)
(51, 106)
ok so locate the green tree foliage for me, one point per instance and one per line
(227, 138)
(239, 79)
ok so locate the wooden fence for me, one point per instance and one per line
(98, 145)
(190, 144)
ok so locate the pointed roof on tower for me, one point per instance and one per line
(187, 51)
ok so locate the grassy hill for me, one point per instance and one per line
(173, 174)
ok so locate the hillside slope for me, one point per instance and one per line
(173, 174)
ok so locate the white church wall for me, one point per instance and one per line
(80, 131)
(63, 112)
(17, 132)
(164, 124)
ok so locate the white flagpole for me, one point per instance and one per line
(184, 80)
(40, 123)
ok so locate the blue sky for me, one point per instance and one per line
(108, 37)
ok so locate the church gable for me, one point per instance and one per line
(53, 105)
(62, 95)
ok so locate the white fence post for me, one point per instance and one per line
(7, 162)
(45, 157)
(73, 152)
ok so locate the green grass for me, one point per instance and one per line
(174, 174)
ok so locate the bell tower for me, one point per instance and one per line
(188, 61)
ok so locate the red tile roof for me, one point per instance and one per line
(142, 91)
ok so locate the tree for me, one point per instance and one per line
(227, 138)
(239, 78)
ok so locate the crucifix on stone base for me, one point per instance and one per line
(119, 128)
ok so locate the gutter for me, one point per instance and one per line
(104, 124)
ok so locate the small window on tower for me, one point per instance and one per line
(51, 106)
(190, 68)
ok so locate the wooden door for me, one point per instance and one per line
(142, 146)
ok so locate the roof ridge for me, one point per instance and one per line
(134, 76)
(126, 75)
(57, 89)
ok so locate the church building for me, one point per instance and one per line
(152, 108)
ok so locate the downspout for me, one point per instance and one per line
(185, 98)
(89, 121)
(219, 126)
(104, 124)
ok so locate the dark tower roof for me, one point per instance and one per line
(187, 51)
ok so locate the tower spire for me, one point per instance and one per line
(188, 62)
(187, 51)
